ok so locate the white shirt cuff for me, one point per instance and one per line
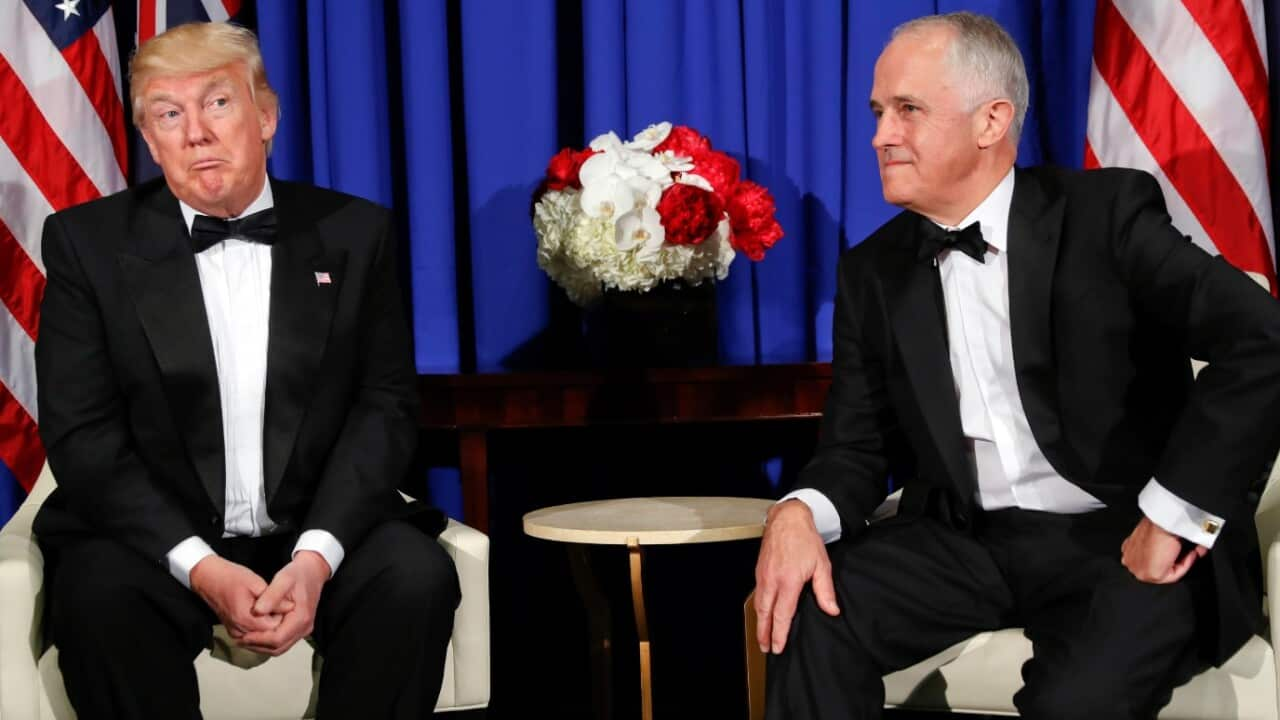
(825, 517)
(184, 556)
(323, 542)
(1178, 516)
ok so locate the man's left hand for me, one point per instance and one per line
(1151, 553)
(294, 593)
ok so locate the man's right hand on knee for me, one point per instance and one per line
(231, 590)
(791, 554)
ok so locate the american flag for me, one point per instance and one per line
(62, 142)
(1179, 89)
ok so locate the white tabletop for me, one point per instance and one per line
(651, 521)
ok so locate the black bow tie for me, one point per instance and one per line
(967, 240)
(209, 231)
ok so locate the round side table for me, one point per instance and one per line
(636, 522)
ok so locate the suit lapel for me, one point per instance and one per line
(305, 282)
(1035, 232)
(160, 273)
(918, 324)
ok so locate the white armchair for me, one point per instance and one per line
(31, 685)
(981, 674)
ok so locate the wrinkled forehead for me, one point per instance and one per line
(915, 63)
(924, 49)
(179, 86)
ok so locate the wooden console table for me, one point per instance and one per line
(474, 404)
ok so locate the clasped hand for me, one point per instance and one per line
(265, 618)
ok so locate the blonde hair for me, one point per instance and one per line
(199, 47)
(985, 57)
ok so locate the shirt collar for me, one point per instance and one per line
(264, 201)
(992, 214)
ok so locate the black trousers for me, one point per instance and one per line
(1105, 644)
(127, 632)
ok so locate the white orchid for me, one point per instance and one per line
(602, 165)
(608, 197)
(648, 166)
(650, 137)
(641, 230)
(606, 142)
(695, 180)
(646, 192)
(606, 188)
(673, 162)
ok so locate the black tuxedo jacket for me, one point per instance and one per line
(129, 405)
(1107, 301)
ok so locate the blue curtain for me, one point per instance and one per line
(449, 111)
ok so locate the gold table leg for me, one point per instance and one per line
(642, 627)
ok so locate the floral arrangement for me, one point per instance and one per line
(662, 206)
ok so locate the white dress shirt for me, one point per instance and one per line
(235, 280)
(1011, 470)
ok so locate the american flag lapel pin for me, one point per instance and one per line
(322, 278)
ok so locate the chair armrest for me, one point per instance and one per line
(1271, 599)
(21, 609)
(469, 549)
(1267, 523)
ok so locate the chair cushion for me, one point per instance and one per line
(980, 675)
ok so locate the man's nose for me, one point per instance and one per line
(888, 132)
(196, 131)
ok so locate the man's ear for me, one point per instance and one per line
(268, 117)
(994, 121)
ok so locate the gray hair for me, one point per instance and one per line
(985, 58)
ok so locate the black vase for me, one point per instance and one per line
(672, 325)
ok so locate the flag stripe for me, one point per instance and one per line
(22, 206)
(147, 20)
(233, 6)
(1258, 24)
(21, 284)
(1226, 25)
(162, 15)
(18, 363)
(48, 81)
(1178, 144)
(106, 32)
(20, 447)
(1090, 159)
(1113, 142)
(216, 11)
(1166, 39)
(88, 64)
(59, 177)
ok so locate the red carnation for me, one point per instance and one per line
(562, 171)
(720, 170)
(689, 214)
(684, 141)
(751, 215)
